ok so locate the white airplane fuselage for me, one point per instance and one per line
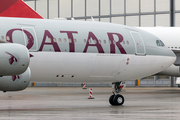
(170, 36)
(77, 51)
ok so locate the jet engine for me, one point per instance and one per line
(15, 82)
(14, 59)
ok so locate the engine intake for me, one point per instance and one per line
(16, 82)
(14, 59)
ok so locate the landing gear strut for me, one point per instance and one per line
(117, 99)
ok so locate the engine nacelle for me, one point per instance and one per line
(171, 71)
(16, 82)
(14, 59)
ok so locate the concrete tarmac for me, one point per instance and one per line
(71, 103)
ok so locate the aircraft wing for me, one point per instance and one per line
(176, 50)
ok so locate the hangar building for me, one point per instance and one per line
(147, 13)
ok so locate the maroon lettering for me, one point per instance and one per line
(112, 45)
(28, 34)
(52, 42)
(96, 44)
(71, 38)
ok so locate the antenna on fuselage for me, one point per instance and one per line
(92, 19)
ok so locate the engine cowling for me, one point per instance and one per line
(14, 59)
(16, 82)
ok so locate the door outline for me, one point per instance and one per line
(34, 35)
(135, 44)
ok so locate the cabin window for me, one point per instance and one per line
(104, 41)
(159, 43)
(114, 42)
(123, 42)
(89, 40)
(59, 39)
(75, 40)
(7, 37)
(84, 40)
(99, 41)
(127, 42)
(2, 37)
(162, 44)
(70, 41)
(64, 39)
(49, 39)
(94, 41)
(54, 39)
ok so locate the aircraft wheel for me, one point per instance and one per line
(119, 99)
(111, 100)
(116, 99)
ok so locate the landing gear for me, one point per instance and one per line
(117, 99)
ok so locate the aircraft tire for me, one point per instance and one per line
(119, 100)
(111, 100)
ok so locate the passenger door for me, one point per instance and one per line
(30, 38)
(139, 43)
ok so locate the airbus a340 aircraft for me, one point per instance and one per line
(77, 51)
